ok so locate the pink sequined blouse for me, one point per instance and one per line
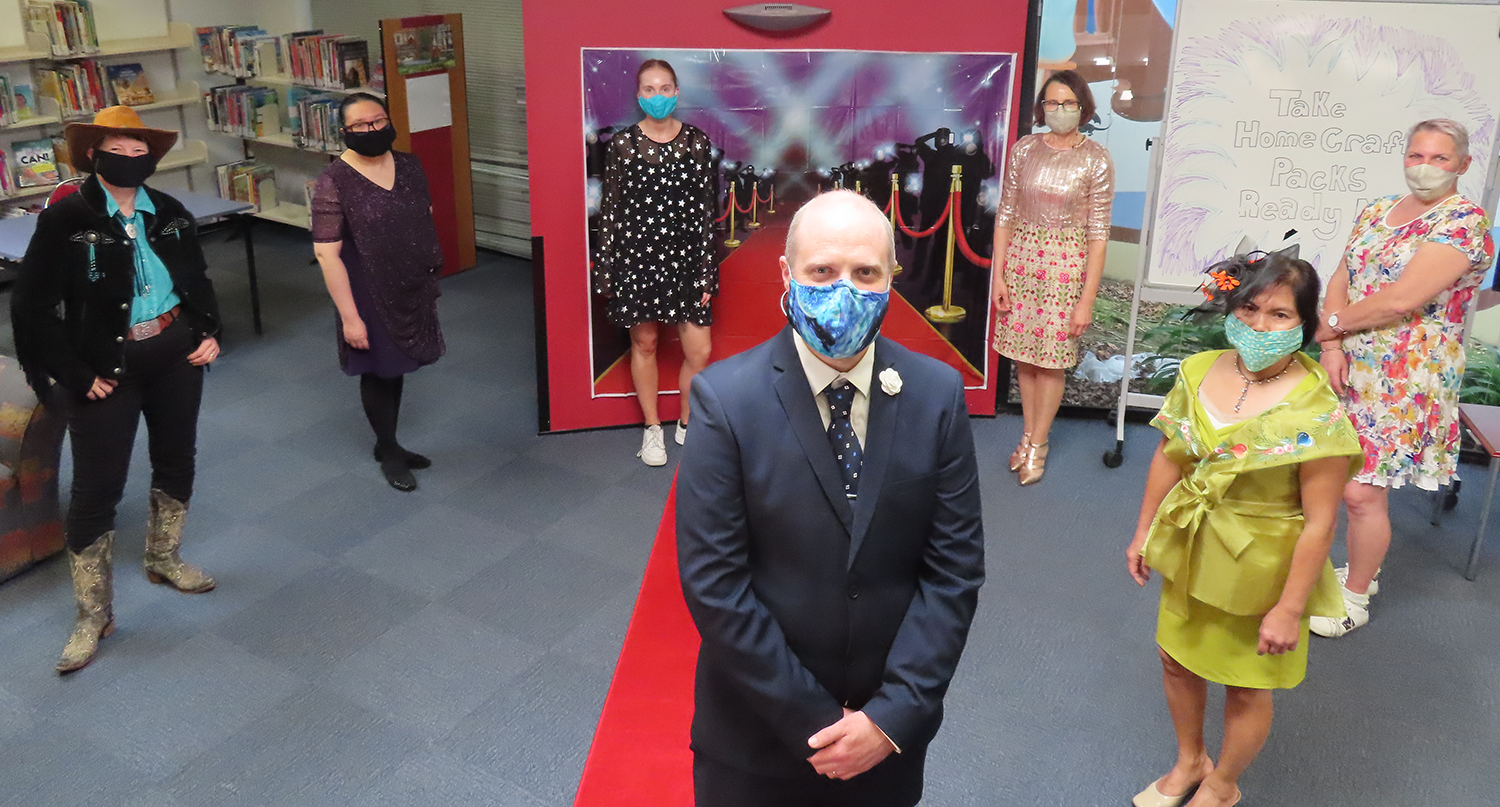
(1058, 188)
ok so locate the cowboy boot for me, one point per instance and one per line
(163, 539)
(93, 588)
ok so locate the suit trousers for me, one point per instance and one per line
(158, 383)
(895, 782)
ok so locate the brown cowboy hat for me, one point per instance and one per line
(115, 120)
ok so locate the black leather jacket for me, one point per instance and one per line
(81, 259)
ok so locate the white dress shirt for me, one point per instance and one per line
(820, 375)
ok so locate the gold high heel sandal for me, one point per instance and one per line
(1018, 457)
(1036, 464)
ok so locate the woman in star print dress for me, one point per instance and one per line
(656, 259)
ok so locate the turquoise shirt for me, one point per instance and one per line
(154, 294)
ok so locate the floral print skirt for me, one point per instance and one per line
(1044, 270)
(1403, 398)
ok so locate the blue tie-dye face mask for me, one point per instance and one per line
(837, 320)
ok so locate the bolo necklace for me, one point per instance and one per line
(1248, 381)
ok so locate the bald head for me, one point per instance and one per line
(844, 216)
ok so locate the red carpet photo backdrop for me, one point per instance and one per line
(789, 124)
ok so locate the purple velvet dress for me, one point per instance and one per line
(390, 249)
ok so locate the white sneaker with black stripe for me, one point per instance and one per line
(1342, 573)
(1357, 607)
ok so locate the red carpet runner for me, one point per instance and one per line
(748, 312)
(640, 756)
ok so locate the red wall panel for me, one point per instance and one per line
(556, 30)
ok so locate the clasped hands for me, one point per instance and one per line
(849, 747)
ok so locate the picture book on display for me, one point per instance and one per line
(25, 98)
(130, 85)
(354, 63)
(35, 164)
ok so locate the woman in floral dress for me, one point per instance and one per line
(1392, 336)
(1050, 235)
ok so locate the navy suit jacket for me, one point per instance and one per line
(807, 601)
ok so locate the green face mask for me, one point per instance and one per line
(1261, 349)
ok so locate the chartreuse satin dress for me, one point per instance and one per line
(1223, 538)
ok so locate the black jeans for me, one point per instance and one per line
(158, 383)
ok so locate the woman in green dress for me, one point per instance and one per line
(1238, 515)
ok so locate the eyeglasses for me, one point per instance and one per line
(369, 126)
(1051, 106)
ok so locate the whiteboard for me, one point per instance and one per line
(1293, 115)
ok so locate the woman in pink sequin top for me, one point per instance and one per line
(1050, 236)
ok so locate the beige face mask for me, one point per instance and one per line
(1062, 121)
(1430, 183)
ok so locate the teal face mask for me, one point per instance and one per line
(659, 107)
(1261, 349)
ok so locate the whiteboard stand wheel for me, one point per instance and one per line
(1112, 459)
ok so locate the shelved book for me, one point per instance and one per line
(243, 51)
(7, 185)
(7, 103)
(35, 165)
(247, 181)
(328, 61)
(244, 110)
(69, 25)
(313, 120)
(79, 88)
(129, 84)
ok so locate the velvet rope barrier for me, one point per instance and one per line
(963, 241)
(721, 218)
(932, 229)
(770, 194)
(746, 209)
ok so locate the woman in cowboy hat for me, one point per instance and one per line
(113, 305)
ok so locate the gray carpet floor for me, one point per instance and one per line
(454, 645)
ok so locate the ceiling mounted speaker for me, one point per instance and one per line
(779, 17)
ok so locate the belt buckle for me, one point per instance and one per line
(145, 330)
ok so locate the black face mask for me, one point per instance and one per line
(371, 144)
(122, 171)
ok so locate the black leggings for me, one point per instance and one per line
(382, 400)
(158, 383)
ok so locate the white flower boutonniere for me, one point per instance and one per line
(890, 381)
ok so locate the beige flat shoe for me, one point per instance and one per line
(1151, 797)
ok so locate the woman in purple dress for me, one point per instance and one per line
(375, 240)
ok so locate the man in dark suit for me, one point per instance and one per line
(829, 538)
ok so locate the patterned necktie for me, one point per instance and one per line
(840, 397)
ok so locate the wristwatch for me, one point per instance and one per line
(1333, 322)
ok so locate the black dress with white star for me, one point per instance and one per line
(656, 254)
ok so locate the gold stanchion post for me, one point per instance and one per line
(948, 312)
(731, 241)
(771, 205)
(895, 200)
(754, 206)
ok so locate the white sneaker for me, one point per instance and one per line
(681, 434)
(1342, 573)
(1358, 607)
(653, 447)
